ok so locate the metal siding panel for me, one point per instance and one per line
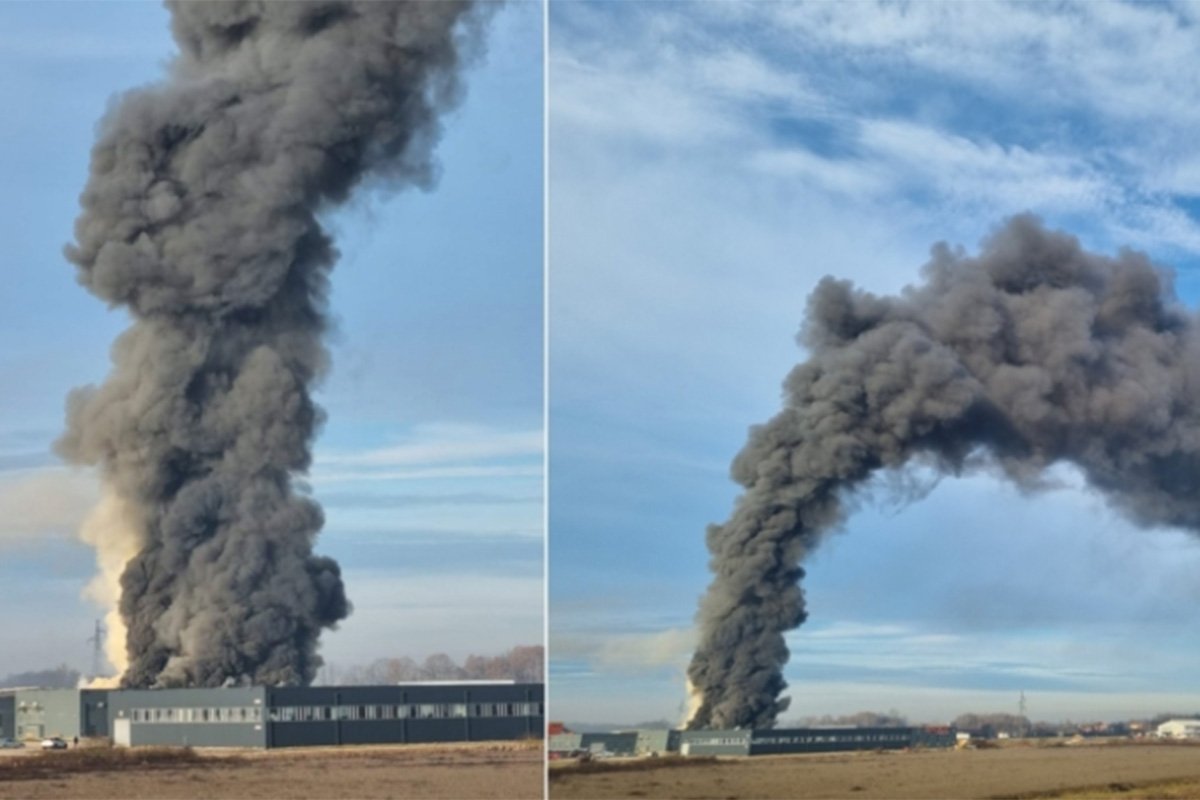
(198, 734)
(94, 719)
(374, 732)
(696, 746)
(484, 729)
(193, 734)
(833, 740)
(57, 711)
(302, 734)
(436, 730)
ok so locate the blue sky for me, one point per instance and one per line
(709, 162)
(430, 465)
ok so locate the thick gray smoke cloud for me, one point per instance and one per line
(200, 217)
(1031, 353)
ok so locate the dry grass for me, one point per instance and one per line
(59, 763)
(569, 768)
(1023, 771)
(503, 771)
(1152, 790)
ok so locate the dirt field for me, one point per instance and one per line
(1101, 770)
(483, 770)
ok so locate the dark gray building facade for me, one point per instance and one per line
(780, 741)
(328, 715)
(8, 715)
(464, 712)
(234, 717)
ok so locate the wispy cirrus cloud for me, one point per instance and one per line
(442, 443)
(436, 452)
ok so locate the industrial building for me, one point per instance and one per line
(779, 741)
(1179, 729)
(656, 742)
(263, 716)
(642, 742)
(38, 713)
(747, 742)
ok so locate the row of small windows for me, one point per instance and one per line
(832, 738)
(225, 714)
(250, 714)
(412, 711)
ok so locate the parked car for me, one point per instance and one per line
(54, 743)
(10, 744)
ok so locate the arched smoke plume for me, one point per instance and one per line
(1031, 353)
(200, 217)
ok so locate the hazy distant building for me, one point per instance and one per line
(781, 741)
(715, 742)
(1179, 729)
(565, 743)
(656, 741)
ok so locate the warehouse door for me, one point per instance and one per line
(121, 732)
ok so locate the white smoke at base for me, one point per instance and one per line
(112, 531)
(695, 699)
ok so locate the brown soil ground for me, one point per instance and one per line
(482, 770)
(1118, 769)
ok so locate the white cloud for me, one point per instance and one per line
(38, 503)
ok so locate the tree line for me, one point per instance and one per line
(523, 664)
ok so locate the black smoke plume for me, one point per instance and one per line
(1031, 353)
(200, 217)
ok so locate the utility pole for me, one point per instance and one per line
(97, 643)
(1021, 710)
